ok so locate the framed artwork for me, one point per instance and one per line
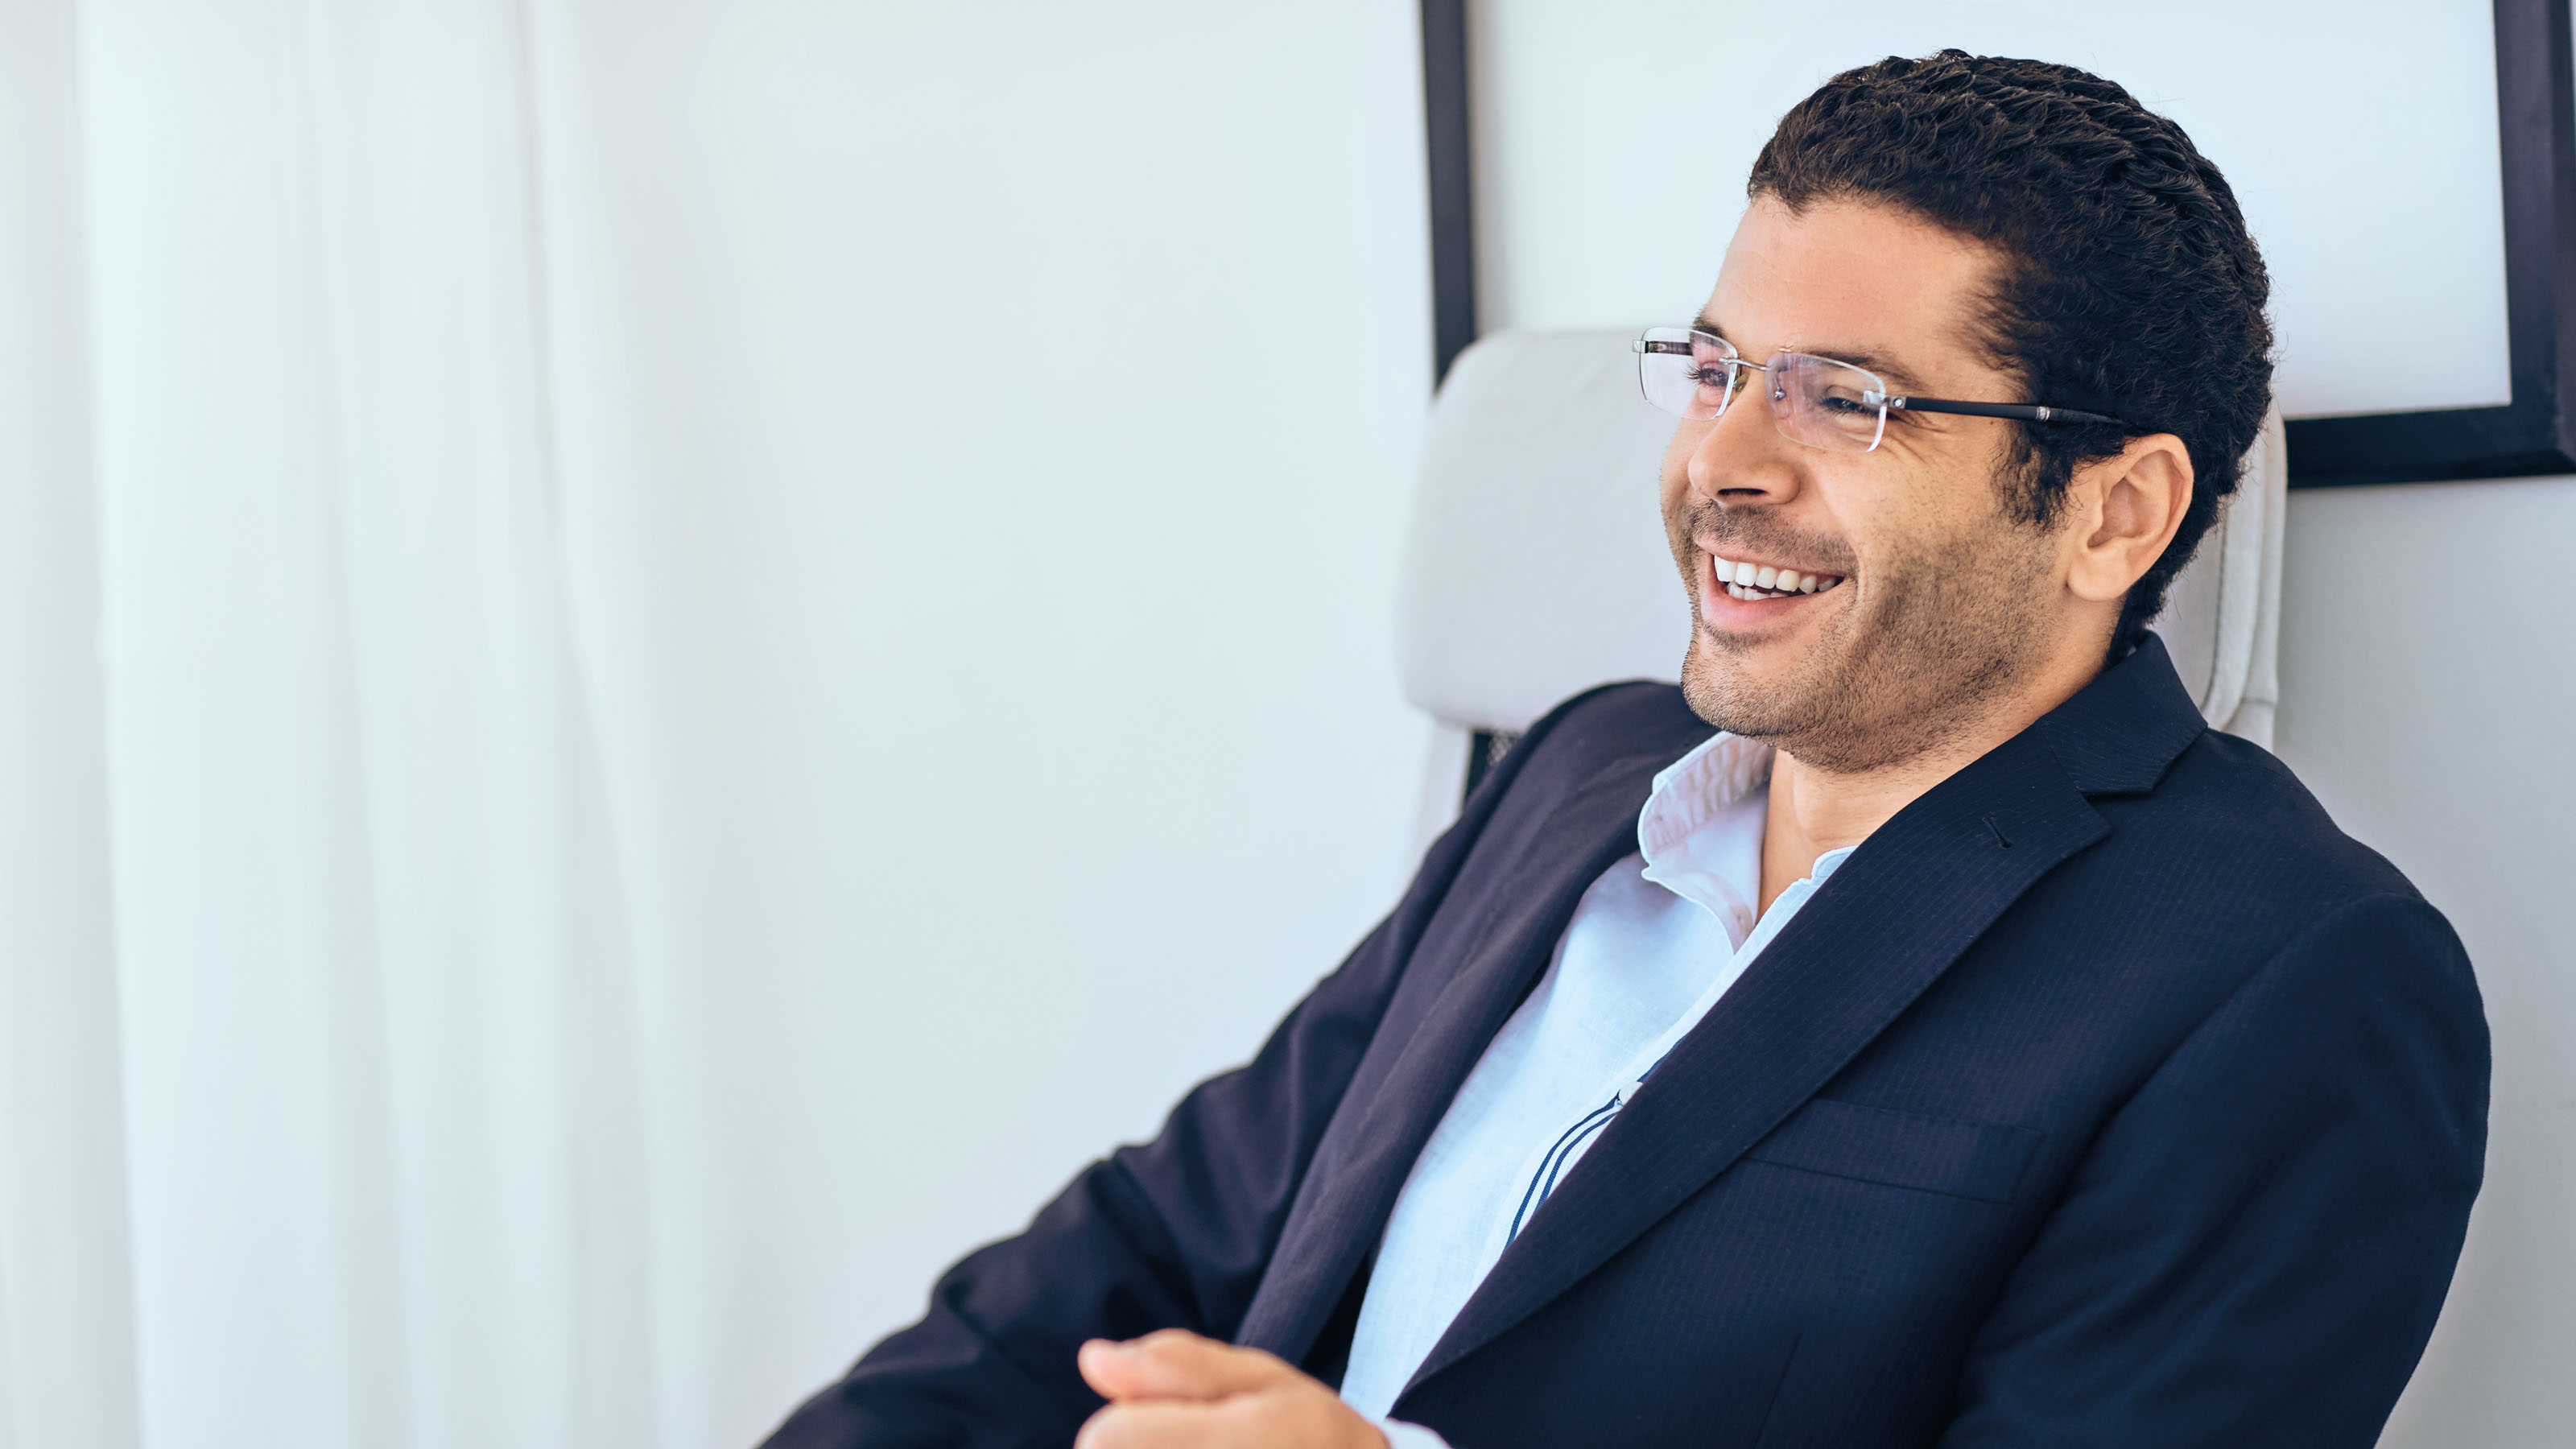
(2531, 435)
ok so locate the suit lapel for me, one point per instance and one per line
(1881, 930)
(1529, 894)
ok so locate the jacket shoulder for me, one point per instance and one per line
(1615, 721)
(2237, 825)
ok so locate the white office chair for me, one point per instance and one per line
(1535, 565)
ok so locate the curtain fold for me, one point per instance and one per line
(321, 1108)
(67, 1363)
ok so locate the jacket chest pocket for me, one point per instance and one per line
(1953, 1155)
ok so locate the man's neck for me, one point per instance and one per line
(1812, 811)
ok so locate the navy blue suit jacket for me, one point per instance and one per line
(2107, 1095)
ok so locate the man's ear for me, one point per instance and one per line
(2125, 510)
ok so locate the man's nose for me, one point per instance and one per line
(1743, 460)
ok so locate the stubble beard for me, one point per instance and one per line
(1907, 665)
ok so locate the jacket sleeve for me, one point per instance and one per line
(2257, 1244)
(1174, 1233)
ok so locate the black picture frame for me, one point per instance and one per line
(2534, 435)
(1446, 119)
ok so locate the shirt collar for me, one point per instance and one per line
(1701, 829)
(1700, 833)
(1713, 778)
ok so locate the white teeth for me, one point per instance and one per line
(1754, 581)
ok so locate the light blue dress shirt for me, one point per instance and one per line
(1651, 947)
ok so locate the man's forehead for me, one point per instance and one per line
(1857, 281)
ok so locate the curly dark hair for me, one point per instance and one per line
(2130, 286)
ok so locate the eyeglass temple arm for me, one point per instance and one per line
(2021, 412)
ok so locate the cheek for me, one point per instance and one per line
(1676, 465)
(1903, 517)
(1872, 513)
(1675, 490)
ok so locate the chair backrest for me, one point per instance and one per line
(1535, 563)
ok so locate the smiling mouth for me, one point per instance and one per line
(1763, 581)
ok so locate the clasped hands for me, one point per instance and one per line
(1173, 1389)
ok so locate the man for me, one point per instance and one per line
(1917, 1028)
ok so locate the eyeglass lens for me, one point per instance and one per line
(1814, 400)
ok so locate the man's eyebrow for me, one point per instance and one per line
(1896, 374)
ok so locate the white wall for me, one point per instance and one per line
(2434, 725)
(1007, 411)
(1613, 141)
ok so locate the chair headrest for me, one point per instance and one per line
(1535, 564)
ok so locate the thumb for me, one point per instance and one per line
(1173, 1363)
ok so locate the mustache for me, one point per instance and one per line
(1759, 531)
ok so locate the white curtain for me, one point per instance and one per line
(322, 1118)
(66, 1292)
(505, 701)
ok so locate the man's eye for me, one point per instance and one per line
(1843, 403)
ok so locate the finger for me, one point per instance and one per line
(1155, 1424)
(1301, 1414)
(1176, 1364)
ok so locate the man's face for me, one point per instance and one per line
(1944, 600)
